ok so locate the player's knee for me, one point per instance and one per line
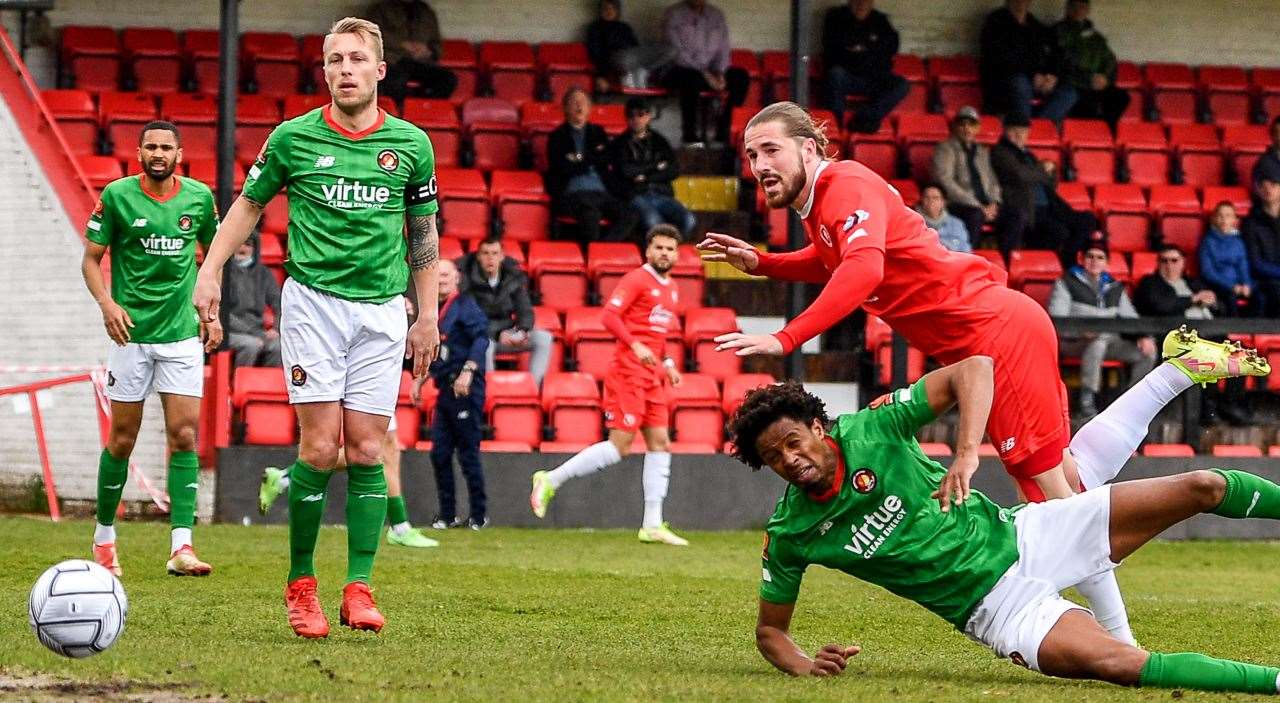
(182, 438)
(365, 451)
(1119, 665)
(1208, 487)
(320, 453)
(120, 443)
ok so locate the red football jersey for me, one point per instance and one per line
(646, 304)
(874, 251)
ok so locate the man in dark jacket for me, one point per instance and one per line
(411, 48)
(1261, 232)
(459, 377)
(501, 290)
(1170, 292)
(1019, 61)
(251, 289)
(858, 46)
(1029, 187)
(1090, 66)
(643, 168)
(615, 51)
(1268, 165)
(577, 169)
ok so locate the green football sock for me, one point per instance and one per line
(112, 473)
(366, 511)
(306, 508)
(396, 510)
(1197, 671)
(184, 478)
(1248, 496)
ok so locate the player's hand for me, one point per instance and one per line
(674, 377)
(955, 485)
(207, 297)
(211, 335)
(643, 353)
(423, 343)
(832, 659)
(749, 344)
(462, 384)
(415, 391)
(722, 247)
(117, 322)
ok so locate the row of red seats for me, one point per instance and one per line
(1131, 214)
(1223, 450)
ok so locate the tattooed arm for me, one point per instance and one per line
(424, 252)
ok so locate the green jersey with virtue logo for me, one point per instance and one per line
(349, 195)
(152, 241)
(879, 524)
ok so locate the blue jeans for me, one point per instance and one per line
(655, 209)
(1055, 106)
(883, 93)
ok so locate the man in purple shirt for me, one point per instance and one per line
(700, 36)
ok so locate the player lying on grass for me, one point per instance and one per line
(865, 500)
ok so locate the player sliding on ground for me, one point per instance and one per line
(151, 223)
(870, 250)
(863, 499)
(356, 176)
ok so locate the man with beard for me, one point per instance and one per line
(356, 177)
(151, 223)
(640, 313)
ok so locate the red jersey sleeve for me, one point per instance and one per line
(801, 265)
(623, 295)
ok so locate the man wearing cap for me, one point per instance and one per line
(643, 168)
(1261, 232)
(1042, 219)
(962, 167)
(1087, 290)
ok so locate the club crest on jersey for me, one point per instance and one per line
(297, 375)
(826, 236)
(864, 480)
(184, 223)
(388, 160)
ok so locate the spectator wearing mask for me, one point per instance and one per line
(577, 166)
(951, 231)
(1261, 231)
(1090, 66)
(698, 32)
(1042, 219)
(251, 289)
(495, 281)
(1169, 292)
(459, 377)
(1224, 263)
(858, 46)
(643, 168)
(411, 48)
(1087, 290)
(1268, 166)
(962, 167)
(615, 51)
(1020, 61)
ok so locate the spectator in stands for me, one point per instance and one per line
(1261, 231)
(1020, 61)
(411, 48)
(1268, 166)
(459, 378)
(643, 167)
(577, 166)
(1090, 66)
(251, 289)
(1224, 263)
(1041, 218)
(962, 167)
(501, 290)
(951, 231)
(1170, 292)
(1087, 290)
(700, 36)
(858, 46)
(616, 52)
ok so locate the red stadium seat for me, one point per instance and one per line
(748, 61)
(1094, 166)
(1178, 215)
(1123, 210)
(908, 189)
(100, 170)
(155, 59)
(1238, 451)
(259, 394)
(513, 407)
(910, 67)
(689, 277)
(451, 248)
(1076, 195)
(408, 415)
(1172, 89)
(993, 257)
(589, 342)
(1226, 93)
(459, 56)
(464, 203)
(1244, 144)
(1237, 195)
(571, 404)
(206, 171)
(879, 156)
(1034, 272)
(1199, 153)
(271, 60)
(202, 48)
(696, 415)
(919, 134)
(1086, 134)
(1168, 450)
(1144, 263)
(297, 105)
(737, 387)
(439, 118)
(189, 108)
(878, 338)
(493, 127)
(609, 261)
(565, 65)
(701, 326)
(558, 272)
(524, 210)
(510, 67)
(956, 78)
(1090, 146)
(116, 107)
(90, 57)
(1146, 152)
(77, 118)
(612, 118)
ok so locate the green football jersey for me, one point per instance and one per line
(349, 194)
(879, 524)
(152, 241)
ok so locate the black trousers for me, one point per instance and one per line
(688, 84)
(455, 428)
(1058, 228)
(589, 207)
(1007, 229)
(1107, 104)
(433, 81)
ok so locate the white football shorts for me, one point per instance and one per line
(134, 370)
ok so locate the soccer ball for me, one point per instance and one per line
(77, 608)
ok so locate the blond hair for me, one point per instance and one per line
(368, 32)
(796, 123)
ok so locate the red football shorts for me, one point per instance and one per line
(629, 404)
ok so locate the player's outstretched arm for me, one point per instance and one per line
(775, 643)
(423, 341)
(970, 384)
(114, 317)
(234, 230)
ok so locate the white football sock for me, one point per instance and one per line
(1103, 594)
(1106, 442)
(400, 528)
(104, 534)
(180, 537)
(656, 476)
(587, 461)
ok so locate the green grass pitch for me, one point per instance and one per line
(535, 615)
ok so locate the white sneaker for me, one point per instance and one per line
(662, 535)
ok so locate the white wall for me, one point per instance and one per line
(1191, 31)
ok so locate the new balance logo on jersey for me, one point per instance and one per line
(325, 161)
(1007, 445)
(355, 195)
(160, 245)
(140, 222)
(876, 527)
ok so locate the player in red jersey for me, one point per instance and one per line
(640, 312)
(872, 251)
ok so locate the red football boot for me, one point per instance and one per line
(305, 614)
(358, 610)
(105, 555)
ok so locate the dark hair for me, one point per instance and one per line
(491, 239)
(763, 407)
(662, 230)
(573, 90)
(1223, 203)
(161, 125)
(938, 187)
(636, 105)
(1171, 247)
